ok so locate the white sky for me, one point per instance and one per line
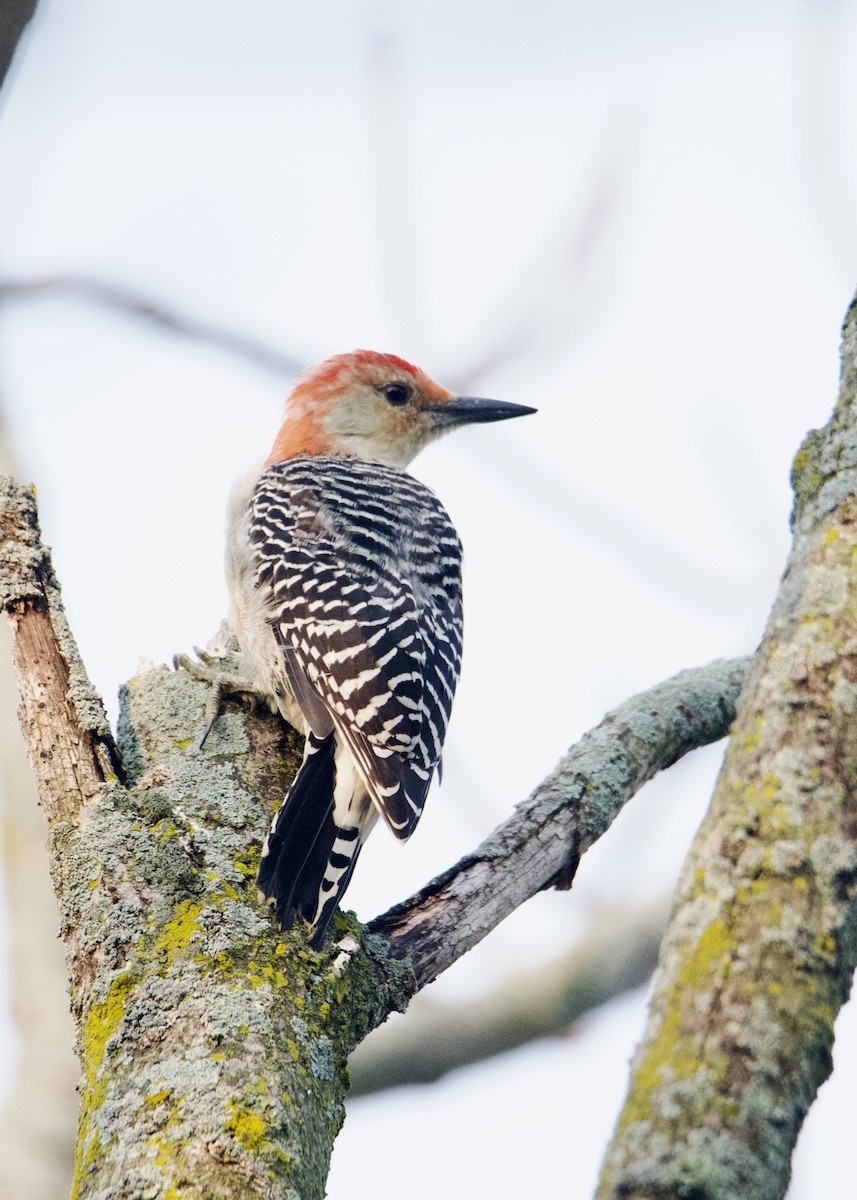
(656, 202)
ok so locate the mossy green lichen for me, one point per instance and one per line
(246, 1126)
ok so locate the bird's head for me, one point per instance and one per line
(375, 407)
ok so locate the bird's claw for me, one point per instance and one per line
(208, 668)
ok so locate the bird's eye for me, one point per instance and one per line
(397, 394)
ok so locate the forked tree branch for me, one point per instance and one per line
(203, 1030)
(540, 845)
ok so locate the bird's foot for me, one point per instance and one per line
(224, 683)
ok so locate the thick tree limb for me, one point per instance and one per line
(70, 745)
(38, 1119)
(540, 844)
(618, 953)
(761, 949)
(214, 1046)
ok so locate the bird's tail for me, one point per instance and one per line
(314, 840)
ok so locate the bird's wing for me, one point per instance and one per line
(363, 570)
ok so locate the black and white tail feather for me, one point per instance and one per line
(307, 859)
(359, 570)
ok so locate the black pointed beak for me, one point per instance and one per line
(470, 410)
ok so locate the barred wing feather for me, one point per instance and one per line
(362, 567)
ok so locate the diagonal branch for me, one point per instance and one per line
(153, 312)
(204, 1031)
(540, 844)
(618, 953)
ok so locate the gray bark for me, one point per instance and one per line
(761, 949)
(213, 1046)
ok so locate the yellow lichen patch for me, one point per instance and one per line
(648, 1075)
(165, 831)
(102, 1022)
(771, 786)
(825, 944)
(246, 1127)
(752, 738)
(177, 933)
(710, 956)
(831, 536)
(778, 821)
(158, 1097)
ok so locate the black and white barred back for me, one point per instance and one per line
(360, 570)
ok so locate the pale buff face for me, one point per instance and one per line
(364, 423)
(363, 405)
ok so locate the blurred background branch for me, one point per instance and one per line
(153, 312)
(15, 15)
(617, 953)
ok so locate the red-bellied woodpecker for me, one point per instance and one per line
(345, 579)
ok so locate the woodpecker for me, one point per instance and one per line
(344, 574)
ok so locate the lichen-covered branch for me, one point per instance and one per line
(69, 742)
(618, 953)
(761, 950)
(39, 1115)
(540, 844)
(213, 1047)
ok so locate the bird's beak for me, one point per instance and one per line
(468, 410)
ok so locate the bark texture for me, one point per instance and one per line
(38, 1120)
(213, 1046)
(540, 845)
(761, 949)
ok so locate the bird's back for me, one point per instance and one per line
(359, 568)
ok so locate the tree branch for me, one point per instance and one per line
(213, 1046)
(540, 844)
(215, 1043)
(761, 949)
(70, 744)
(152, 312)
(15, 15)
(619, 952)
